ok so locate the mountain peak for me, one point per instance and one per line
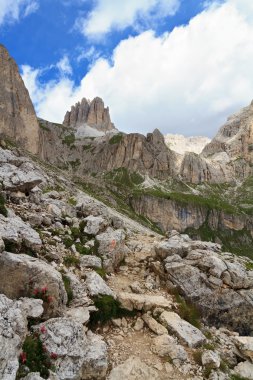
(92, 113)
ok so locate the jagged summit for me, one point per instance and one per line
(17, 116)
(89, 114)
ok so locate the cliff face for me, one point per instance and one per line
(93, 113)
(17, 117)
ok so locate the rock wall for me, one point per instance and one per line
(18, 121)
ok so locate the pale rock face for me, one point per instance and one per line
(94, 224)
(96, 285)
(13, 329)
(189, 334)
(217, 283)
(22, 274)
(133, 369)
(79, 356)
(154, 326)
(112, 248)
(131, 301)
(89, 261)
(92, 114)
(245, 346)
(210, 359)
(17, 116)
(244, 370)
(182, 144)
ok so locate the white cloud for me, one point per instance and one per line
(187, 81)
(110, 14)
(64, 66)
(12, 10)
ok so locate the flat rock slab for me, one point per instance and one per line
(133, 369)
(244, 370)
(154, 326)
(245, 346)
(131, 301)
(189, 334)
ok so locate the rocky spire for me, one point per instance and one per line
(18, 120)
(92, 113)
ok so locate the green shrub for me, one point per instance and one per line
(72, 201)
(68, 288)
(197, 355)
(69, 139)
(187, 310)
(108, 308)
(249, 266)
(3, 209)
(101, 272)
(71, 260)
(116, 139)
(68, 242)
(34, 358)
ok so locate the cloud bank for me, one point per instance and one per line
(12, 10)
(187, 81)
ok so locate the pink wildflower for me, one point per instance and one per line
(43, 329)
(22, 357)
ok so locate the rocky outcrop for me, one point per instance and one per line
(18, 121)
(13, 329)
(25, 276)
(91, 113)
(182, 144)
(217, 283)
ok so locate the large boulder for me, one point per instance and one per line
(78, 356)
(111, 248)
(13, 329)
(18, 233)
(25, 276)
(133, 369)
(218, 284)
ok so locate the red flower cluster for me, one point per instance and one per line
(42, 294)
(53, 356)
(22, 357)
(43, 329)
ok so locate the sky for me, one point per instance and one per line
(182, 66)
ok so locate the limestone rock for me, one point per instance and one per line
(93, 113)
(79, 356)
(21, 275)
(111, 248)
(156, 327)
(81, 314)
(210, 359)
(96, 285)
(133, 369)
(13, 329)
(244, 370)
(131, 301)
(245, 346)
(14, 230)
(189, 334)
(182, 144)
(18, 120)
(89, 261)
(94, 224)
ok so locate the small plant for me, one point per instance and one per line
(197, 355)
(72, 201)
(69, 139)
(42, 294)
(68, 288)
(71, 260)
(3, 209)
(187, 310)
(101, 272)
(116, 139)
(249, 266)
(35, 357)
(108, 308)
(237, 377)
(209, 346)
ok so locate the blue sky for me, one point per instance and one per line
(178, 65)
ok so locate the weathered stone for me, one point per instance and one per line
(133, 369)
(94, 224)
(165, 345)
(96, 285)
(78, 356)
(139, 324)
(244, 370)
(189, 334)
(131, 301)
(13, 329)
(111, 248)
(21, 275)
(156, 327)
(89, 261)
(210, 359)
(18, 120)
(245, 346)
(81, 314)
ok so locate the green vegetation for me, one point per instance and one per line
(122, 177)
(68, 288)
(72, 201)
(87, 147)
(249, 266)
(116, 139)
(3, 209)
(101, 272)
(42, 126)
(71, 260)
(34, 358)
(108, 308)
(237, 377)
(15, 247)
(75, 164)
(69, 139)
(187, 310)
